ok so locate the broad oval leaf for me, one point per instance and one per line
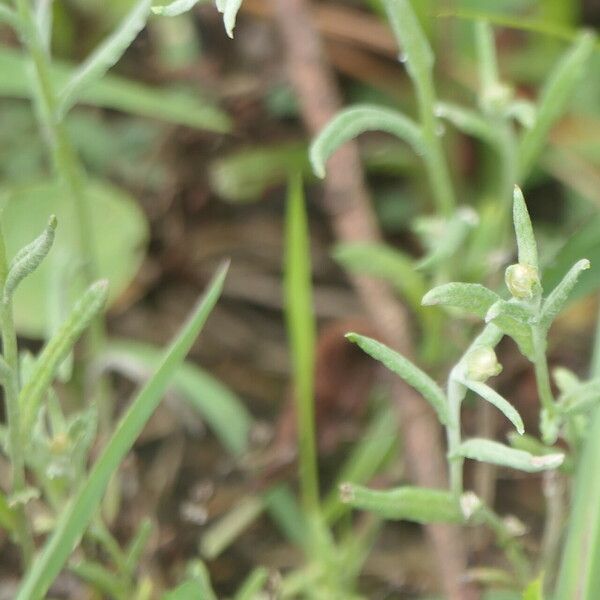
(505, 456)
(560, 294)
(405, 369)
(104, 57)
(421, 505)
(120, 238)
(503, 405)
(472, 297)
(349, 123)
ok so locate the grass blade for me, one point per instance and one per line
(405, 369)
(252, 585)
(302, 333)
(77, 514)
(104, 57)
(349, 123)
(222, 410)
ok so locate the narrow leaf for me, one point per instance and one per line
(503, 405)
(29, 259)
(560, 294)
(301, 328)
(56, 350)
(229, 8)
(526, 243)
(252, 585)
(222, 410)
(349, 123)
(505, 456)
(554, 97)
(421, 505)
(405, 369)
(197, 585)
(468, 121)
(472, 297)
(415, 50)
(76, 516)
(104, 57)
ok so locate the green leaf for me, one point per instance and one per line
(197, 586)
(505, 456)
(510, 310)
(117, 93)
(503, 405)
(405, 369)
(583, 241)
(380, 260)
(104, 57)
(579, 576)
(471, 297)
(415, 50)
(301, 327)
(554, 97)
(222, 410)
(252, 585)
(581, 398)
(56, 350)
(173, 9)
(222, 533)
(76, 516)
(526, 243)
(229, 9)
(120, 237)
(557, 299)
(101, 578)
(29, 259)
(421, 505)
(349, 123)
(534, 590)
(468, 121)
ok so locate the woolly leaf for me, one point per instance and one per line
(503, 405)
(526, 243)
(471, 297)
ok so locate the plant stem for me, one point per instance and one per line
(70, 171)
(542, 375)
(595, 364)
(436, 165)
(456, 394)
(11, 399)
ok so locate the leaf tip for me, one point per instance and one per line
(351, 336)
(429, 299)
(548, 461)
(52, 222)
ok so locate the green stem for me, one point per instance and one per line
(542, 375)
(595, 364)
(456, 394)
(435, 162)
(11, 399)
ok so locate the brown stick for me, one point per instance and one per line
(348, 204)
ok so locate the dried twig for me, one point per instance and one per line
(347, 203)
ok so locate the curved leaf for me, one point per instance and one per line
(472, 297)
(349, 123)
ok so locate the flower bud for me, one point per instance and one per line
(522, 280)
(482, 364)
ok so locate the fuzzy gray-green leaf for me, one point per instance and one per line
(173, 9)
(468, 121)
(582, 398)
(421, 505)
(511, 310)
(29, 259)
(414, 46)
(505, 456)
(503, 405)
(526, 243)
(349, 123)
(472, 297)
(104, 57)
(405, 369)
(560, 294)
(57, 349)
